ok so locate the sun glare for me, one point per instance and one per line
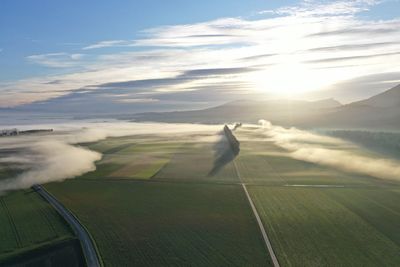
(289, 80)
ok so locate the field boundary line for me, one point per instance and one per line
(46, 217)
(12, 223)
(87, 243)
(258, 218)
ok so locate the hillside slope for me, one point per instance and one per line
(284, 112)
(380, 112)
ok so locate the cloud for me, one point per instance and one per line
(257, 57)
(351, 47)
(315, 8)
(356, 31)
(360, 87)
(331, 152)
(104, 44)
(288, 53)
(58, 161)
(57, 60)
(344, 59)
(186, 76)
(137, 100)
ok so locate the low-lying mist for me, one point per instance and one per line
(57, 156)
(329, 151)
(54, 161)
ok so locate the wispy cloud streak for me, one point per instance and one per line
(307, 47)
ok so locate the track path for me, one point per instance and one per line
(88, 247)
(260, 224)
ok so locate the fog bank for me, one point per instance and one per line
(55, 161)
(329, 151)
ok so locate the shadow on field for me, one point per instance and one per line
(223, 154)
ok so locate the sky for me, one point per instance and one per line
(133, 56)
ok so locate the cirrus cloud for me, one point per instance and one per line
(296, 49)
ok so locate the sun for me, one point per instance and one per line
(289, 79)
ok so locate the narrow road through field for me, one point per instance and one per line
(88, 247)
(260, 224)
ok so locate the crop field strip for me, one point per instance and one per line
(153, 223)
(88, 246)
(308, 227)
(266, 171)
(195, 163)
(132, 160)
(10, 236)
(264, 234)
(372, 205)
(40, 232)
(262, 162)
(352, 221)
(257, 255)
(134, 166)
(261, 226)
(203, 150)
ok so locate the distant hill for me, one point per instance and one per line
(378, 112)
(284, 112)
(387, 99)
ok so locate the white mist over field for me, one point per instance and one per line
(56, 156)
(54, 161)
(329, 151)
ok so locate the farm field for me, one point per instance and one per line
(261, 161)
(170, 211)
(328, 226)
(319, 216)
(159, 157)
(196, 163)
(125, 157)
(166, 223)
(159, 200)
(29, 225)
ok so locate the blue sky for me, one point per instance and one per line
(149, 53)
(32, 27)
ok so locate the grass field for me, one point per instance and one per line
(329, 227)
(156, 204)
(263, 162)
(156, 201)
(166, 224)
(124, 157)
(353, 220)
(195, 163)
(28, 223)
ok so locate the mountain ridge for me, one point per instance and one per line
(381, 111)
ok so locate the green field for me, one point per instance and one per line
(125, 158)
(160, 200)
(194, 163)
(171, 212)
(155, 201)
(32, 232)
(263, 162)
(352, 220)
(166, 224)
(329, 227)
